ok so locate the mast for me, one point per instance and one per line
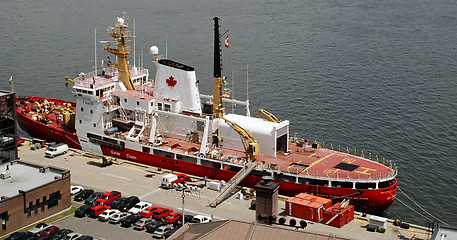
(120, 34)
(218, 108)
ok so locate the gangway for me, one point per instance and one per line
(229, 188)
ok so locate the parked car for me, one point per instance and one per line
(140, 224)
(16, 236)
(152, 226)
(118, 201)
(53, 151)
(147, 212)
(139, 207)
(117, 217)
(161, 213)
(130, 220)
(173, 217)
(108, 197)
(83, 194)
(61, 234)
(49, 231)
(42, 238)
(160, 232)
(82, 211)
(72, 236)
(91, 199)
(200, 219)
(128, 203)
(96, 210)
(85, 237)
(39, 227)
(169, 233)
(104, 216)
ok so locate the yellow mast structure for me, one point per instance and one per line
(120, 34)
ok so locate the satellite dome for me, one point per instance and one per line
(120, 21)
(154, 50)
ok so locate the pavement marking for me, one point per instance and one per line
(147, 194)
(117, 176)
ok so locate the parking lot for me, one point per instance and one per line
(132, 180)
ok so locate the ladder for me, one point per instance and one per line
(229, 188)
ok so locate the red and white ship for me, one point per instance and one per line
(120, 112)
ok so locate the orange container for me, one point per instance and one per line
(339, 217)
(327, 203)
(304, 209)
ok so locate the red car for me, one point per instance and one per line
(108, 197)
(96, 210)
(19, 140)
(148, 211)
(173, 217)
(161, 213)
(49, 231)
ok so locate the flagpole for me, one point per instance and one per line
(12, 83)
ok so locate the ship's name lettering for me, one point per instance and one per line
(88, 102)
(130, 156)
(115, 153)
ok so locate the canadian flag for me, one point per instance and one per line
(226, 42)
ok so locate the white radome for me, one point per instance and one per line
(154, 50)
(120, 21)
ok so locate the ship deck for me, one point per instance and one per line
(306, 161)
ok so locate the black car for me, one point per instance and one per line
(91, 199)
(17, 236)
(83, 194)
(117, 202)
(130, 220)
(61, 234)
(169, 233)
(82, 211)
(85, 237)
(128, 203)
(152, 226)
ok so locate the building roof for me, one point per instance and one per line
(24, 176)
(233, 229)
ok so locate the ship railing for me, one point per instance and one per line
(327, 175)
(124, 117)
(84, 76)
(362, 154)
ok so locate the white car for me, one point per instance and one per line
(104, 216)
(75, 189)
(116, 218)
(139, 207)
(200, 219)
(72, 236)
(39, 227)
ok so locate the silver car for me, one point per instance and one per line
(161, 231)
(116, 218)
(139, 225)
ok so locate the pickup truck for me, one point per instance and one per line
(172, 178)
(108, 197)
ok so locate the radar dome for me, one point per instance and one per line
(154, 50)
(120, 21)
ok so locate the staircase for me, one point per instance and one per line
(231, 187)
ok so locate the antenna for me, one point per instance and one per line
(247, 82)
(166, 45)
(134, 44)
(95, 55)
(233, 91)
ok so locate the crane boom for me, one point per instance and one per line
(270, 117)
(251, 146)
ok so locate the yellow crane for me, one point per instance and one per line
(251, 146)
(270, 117)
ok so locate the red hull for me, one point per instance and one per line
(372, 200)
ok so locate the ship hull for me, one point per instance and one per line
(370, 200)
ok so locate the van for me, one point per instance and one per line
(56, 150)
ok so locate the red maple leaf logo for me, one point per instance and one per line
(171, 81)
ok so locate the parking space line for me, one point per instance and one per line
(147, 194)
(117, 176)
